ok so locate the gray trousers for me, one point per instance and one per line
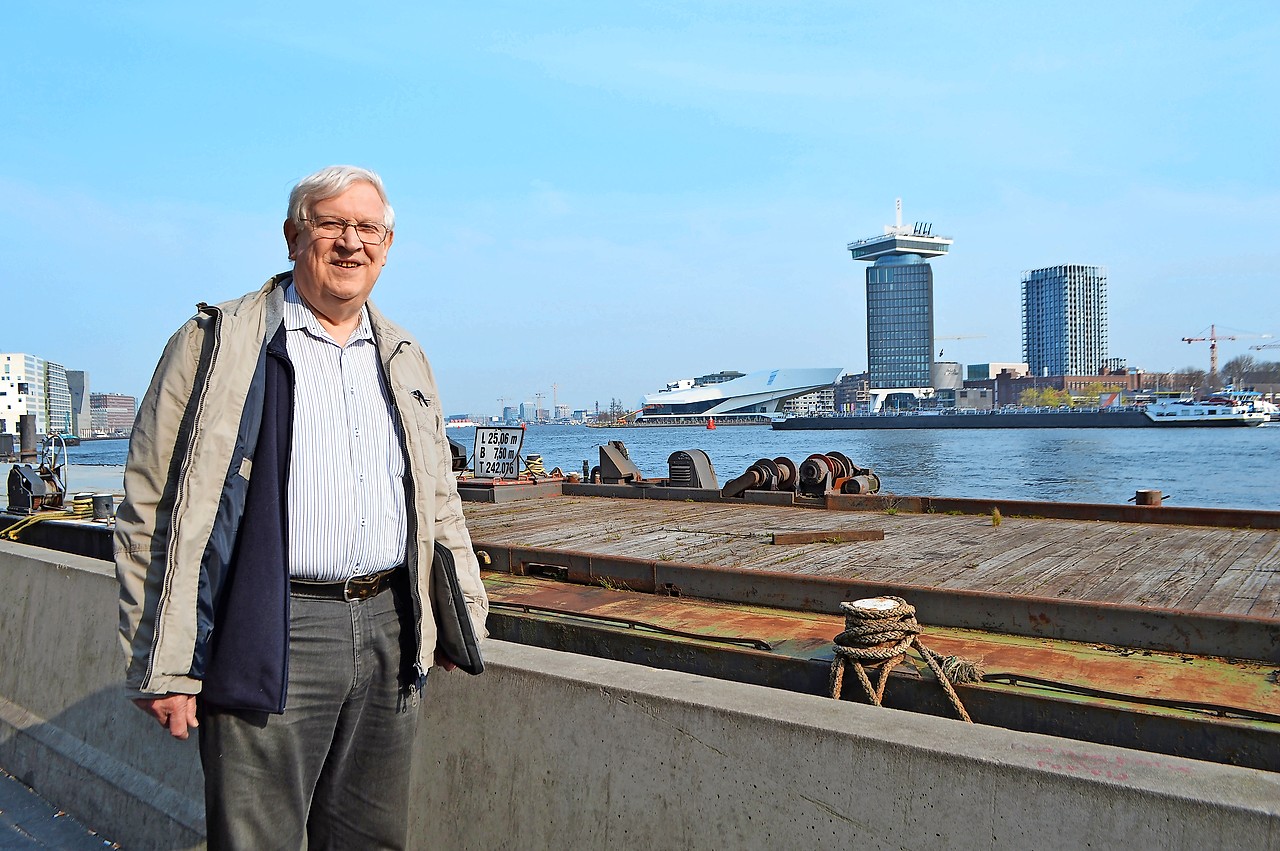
(334, 770)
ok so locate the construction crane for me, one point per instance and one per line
(1264, 346)
(958, 337)
(1212, 340)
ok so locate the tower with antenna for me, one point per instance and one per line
(900, 307)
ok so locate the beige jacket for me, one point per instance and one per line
(182, 447)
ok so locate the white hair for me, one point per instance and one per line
(331, 182)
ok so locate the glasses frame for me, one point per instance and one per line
(347, 223)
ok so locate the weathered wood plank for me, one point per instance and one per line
(1201, 569)
(829, 536)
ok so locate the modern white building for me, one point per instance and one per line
(819, 403)
(754, 398)
(33, 385)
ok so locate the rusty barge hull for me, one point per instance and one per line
(1149, 628)
(711, 621)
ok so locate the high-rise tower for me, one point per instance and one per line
(1064, 320)
(900, 307)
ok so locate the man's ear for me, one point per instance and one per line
(291, 238)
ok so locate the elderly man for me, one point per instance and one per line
(287, 485)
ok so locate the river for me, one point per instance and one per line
(1210, 467)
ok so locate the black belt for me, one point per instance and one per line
(355, 588)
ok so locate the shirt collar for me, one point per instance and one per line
(298, 317)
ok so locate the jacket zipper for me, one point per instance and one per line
(420, 672)
(181, 493)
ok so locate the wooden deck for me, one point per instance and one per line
(1209, 570)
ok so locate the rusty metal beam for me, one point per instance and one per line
(1227, 518)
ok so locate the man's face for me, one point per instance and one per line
(334, 275)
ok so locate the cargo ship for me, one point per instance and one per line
(1162, 414)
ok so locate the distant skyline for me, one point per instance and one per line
(609, 198)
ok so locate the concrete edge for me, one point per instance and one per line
(1227, 787)
(59, 559)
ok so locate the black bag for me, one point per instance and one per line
(456, 637)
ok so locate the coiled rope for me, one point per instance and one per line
(878, 632)
(533, 467)
(82, 506)
(81, 509)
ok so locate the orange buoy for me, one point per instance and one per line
(711, 422)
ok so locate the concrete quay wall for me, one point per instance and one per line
(553, 750)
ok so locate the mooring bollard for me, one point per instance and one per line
(1149, 497)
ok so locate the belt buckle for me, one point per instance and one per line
(360, 587)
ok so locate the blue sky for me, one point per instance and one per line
(610, 196)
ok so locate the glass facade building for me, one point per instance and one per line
(1064, 320)
(900, 307)
(58, 400)
(899, 322)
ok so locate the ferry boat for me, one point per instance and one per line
(1214, 411)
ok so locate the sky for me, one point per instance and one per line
(593, 200)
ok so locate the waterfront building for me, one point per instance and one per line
(987, 371)
(57, 399)
(112, 413)
(900, 307)
(33, 385)
(852, 393)
(975, 398)
(945, 379)
(1007, 388)
(21, 391)
(1064, 320)
(81, 418)
(818, 403)
(752, 398)
(717, 377)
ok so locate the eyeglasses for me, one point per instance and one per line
(370, 233)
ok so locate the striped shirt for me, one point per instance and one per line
(346, 471)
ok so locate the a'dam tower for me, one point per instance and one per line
(900, 307)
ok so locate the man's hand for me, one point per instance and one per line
(443, 661)
(175, 712)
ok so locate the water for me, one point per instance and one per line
(1211, 467)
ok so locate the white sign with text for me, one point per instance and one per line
(497, 452)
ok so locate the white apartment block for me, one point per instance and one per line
(819, 402)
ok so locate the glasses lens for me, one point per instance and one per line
(328, 228)
(371, 233)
